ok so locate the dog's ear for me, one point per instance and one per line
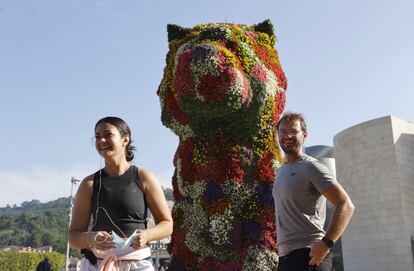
(176, 32)
(265, 27)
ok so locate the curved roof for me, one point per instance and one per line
(320, 151)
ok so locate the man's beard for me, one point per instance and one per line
(291, 149)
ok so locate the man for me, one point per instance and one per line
(302, 186)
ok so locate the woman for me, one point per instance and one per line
(117, 197)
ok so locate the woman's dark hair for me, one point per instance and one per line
(124, 130)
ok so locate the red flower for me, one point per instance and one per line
(176, 191)
(183, 81)
(267, 223)
(222, 164)
(172, 107)
(228, 168)
(213, 264)
(279, 106)
(181, 251)
(212, 87)
(272, 65)
(265, 170)
(236, 173)
(185, 154)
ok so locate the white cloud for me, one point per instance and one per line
(39, 183)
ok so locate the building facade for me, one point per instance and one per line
(375, 164)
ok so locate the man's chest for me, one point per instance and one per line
(291, 181)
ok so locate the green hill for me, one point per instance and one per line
(36, 206)
(35, 224)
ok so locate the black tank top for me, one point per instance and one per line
(120, 199)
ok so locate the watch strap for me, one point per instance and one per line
(329, 243)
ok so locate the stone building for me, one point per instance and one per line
(375, 164)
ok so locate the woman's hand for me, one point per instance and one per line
(101, 240)
(141, 239)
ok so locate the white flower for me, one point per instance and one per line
(183, 131)
(220, 226)
(271, 84)
(276, 164)
(260, 259)
(239, 194)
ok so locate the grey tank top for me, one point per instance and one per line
(118, 203)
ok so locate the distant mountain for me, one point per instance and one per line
(36, 206)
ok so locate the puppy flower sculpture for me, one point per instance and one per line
(222, 93)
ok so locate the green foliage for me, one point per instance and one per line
(35, 230)
(336, 258)
(175, 32)
(15, 261)
(37, 224)
(36, 206)
(168, 192)
(265, 27)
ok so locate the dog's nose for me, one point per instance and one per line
(203, 52)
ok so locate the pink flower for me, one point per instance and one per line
(259, 73)
(212, 87)
(245, 91)
(183, 81)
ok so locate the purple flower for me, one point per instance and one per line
(235, 238)
(203, 51)
(265, 194)
(252, 230)
(176, 265)
(212, 193)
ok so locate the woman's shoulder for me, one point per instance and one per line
(85, 189)
(145, 173)
(87, 182)
(147, 177)
(89, 178)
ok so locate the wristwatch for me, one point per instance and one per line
(329, 243)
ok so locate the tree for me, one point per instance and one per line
(168, 192)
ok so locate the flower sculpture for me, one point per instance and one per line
(222, 93)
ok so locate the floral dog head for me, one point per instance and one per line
(221, 76)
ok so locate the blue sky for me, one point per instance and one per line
(65, 64)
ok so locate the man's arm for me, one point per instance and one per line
(344, 209)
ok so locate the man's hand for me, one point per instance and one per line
(318, 252)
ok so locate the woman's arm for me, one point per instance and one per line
(158, 206)
(79, 237)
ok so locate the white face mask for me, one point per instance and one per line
(120, 244)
